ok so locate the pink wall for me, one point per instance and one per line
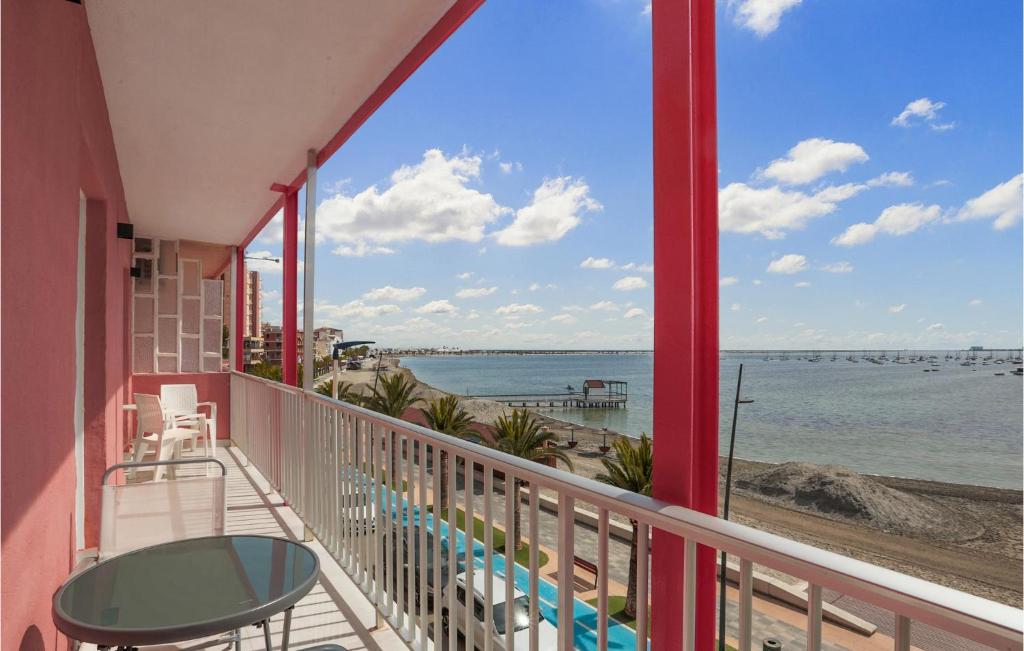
(56, 141)
(211, 387)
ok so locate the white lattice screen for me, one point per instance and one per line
(177, 318)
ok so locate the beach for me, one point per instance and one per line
(963, 536)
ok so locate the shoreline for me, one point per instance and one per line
(982, 553)
(962, 536)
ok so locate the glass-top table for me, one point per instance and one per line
(186, 590)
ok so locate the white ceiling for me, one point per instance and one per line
(211, 102)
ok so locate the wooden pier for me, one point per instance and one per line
(596, 394)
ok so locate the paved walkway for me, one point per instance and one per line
(771, 619)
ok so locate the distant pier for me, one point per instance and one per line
(596, 394)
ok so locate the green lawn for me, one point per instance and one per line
(522, 556)
(615, 606)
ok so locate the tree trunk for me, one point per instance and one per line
(630, 609)
(443, 496)
(517, 516)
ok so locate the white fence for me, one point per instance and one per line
(360, 480)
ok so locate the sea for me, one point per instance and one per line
(953, 423)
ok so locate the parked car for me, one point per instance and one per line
(547, 634)
(401, 539)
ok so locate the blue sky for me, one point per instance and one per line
(870, 182)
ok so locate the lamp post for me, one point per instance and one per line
(725, 508)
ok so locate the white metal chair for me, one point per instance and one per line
(137, 515)
(181, 401)
(143, 514)
(157, 430)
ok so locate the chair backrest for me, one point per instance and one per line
(150, 413)
(181, 398)
(150, 513)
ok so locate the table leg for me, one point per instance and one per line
(266, 634)
(287, 628)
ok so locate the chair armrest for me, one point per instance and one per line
(189, 416)
(84, 559)
(212, 406)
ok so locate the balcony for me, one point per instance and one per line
(338, 467)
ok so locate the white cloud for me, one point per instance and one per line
(921, 111)
(429, 201)
(892, 179)
(758, 281)
(762, 319)
(802, 284)
(518, 308)
(465, 275)
(813, 158)
(935, 327)
(791, 263)
(476, 292)
(263, 265)
(629, 283)
(1002, 202)
(762, 16)
(855, 234)
(509, 167)
(572, 308)
(735, 307)
(838, 268)
(597, 263)
(354, 309)
(641, 268)
(771, 211)
(564, 318)
(396, 294)
(361, 250)
(896, 309)
(975, 302)
(900, 219)
(437, 307)
(605, 306)
(726, 281)
(634, 313)
(537, 286)
(554, 211)
(646, 11)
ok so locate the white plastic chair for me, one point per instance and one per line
(181, 401)
(155, 429)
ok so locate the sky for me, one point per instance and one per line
(869, 182)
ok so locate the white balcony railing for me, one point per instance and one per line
(339, 465)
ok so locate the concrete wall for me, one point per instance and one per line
(56, 141)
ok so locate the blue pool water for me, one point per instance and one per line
(620, 636)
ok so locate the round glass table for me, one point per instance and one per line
(186, 590)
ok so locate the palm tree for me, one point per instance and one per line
(447, 416)
(520, 435)
(345, 392)
(631, 470)
(393, 395)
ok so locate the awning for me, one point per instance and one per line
(212, 102)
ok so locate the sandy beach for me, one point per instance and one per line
(962, 536)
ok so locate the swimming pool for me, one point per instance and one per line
(620, 636)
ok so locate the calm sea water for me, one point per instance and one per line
(957, 425)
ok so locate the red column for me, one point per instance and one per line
(289, 292)
(239, 324)
(686, 302)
